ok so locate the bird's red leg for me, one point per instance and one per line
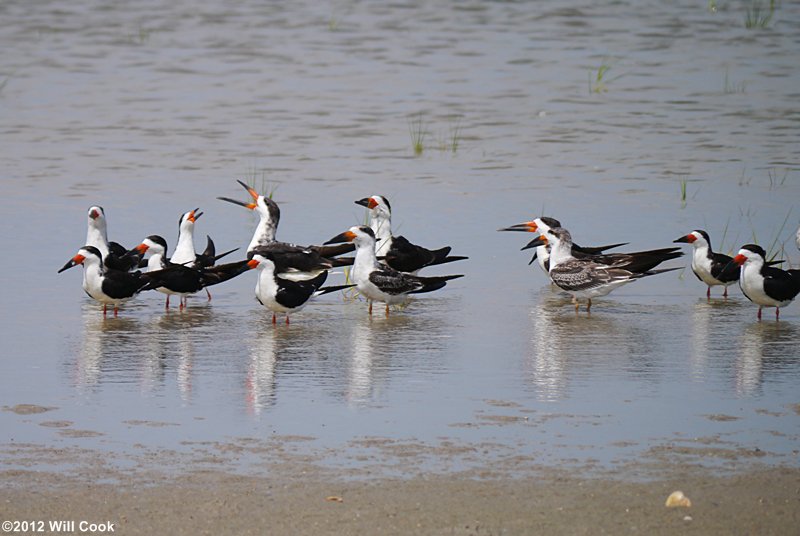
(167, 305)
(370, 308)
(209, 295)
(104, 309)
(708, 293)
(759, 313)
(387, 310)
(777, 313)
(116, 310)
(287, 320)
(589, 305)
(725, 294)
(274, 319)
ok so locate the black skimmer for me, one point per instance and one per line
(298, 261)
(708, 265)
(113, 254)
(106, 285)
(281, 295)
(635, 261)
(378, 282)
(763, 285)
(542, 253)
(185, 254)
(269, 215)
(184, 250)
(179, 279)
(397, 252)
(585, 277)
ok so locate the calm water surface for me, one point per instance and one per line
(151, 109)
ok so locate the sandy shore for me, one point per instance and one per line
(759, 502)
(375, 485)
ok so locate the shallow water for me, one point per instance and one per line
(150, 110)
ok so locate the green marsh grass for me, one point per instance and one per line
(349, 294)
(418, 130)
(683, 193)
(757, 15)
(721, 244)
(730, 88)
(450, 141)
(599, 79)
(744, 180)
(773, 246)
(258, 180)
(776, 180)
(455, 136)
(141, 36)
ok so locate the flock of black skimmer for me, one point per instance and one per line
(590, 272)
(385, 268)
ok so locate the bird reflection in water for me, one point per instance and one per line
(565, 347)
(382, 347)
(360, 370)
(298, 350)
(104, 346)
(763, 348)
(130, 349)
(712, 320)
(172, 342)
(260, 382)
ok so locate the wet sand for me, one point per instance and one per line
(377, 485)
(757, 502)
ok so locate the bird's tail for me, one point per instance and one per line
(645, 261)
(656, 272)
(597, 249)
(215, 275)
(210, 250)
(442, 256)
(434, 283)
(334, 250)
(332, 288)
(218, 257)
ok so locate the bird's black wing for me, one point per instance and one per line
(119, 258)
(177, 278)
(718, 262)
(407, 257)
(296, 293)
(293, 257)
(222, 272)
(781, 285)
(119, 285)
